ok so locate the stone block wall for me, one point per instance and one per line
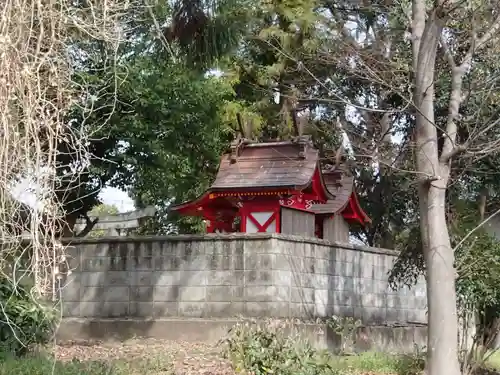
(232, 275)
(328, 279)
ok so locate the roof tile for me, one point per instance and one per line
(267, 165)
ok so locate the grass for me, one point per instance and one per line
(366, 363)
(494, 361)
(267, 349)
(379, 363)
(46, 365)
(145, 357)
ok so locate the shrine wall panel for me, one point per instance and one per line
(336, 229)
(297, 222)
(225, 276)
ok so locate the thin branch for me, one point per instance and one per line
(479, 226)
(457, 149)
(89, 225)
(446, 51)
(450, 149)
(477, 44)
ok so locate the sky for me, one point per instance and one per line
(118, 198)
(108, 195)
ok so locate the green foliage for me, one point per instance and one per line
(409, 265)
(72, 362)
(102, 210)
(24, 321)
(207, 30)
(477, 259)
(156, 125)
(269, 350)
(346, 329)
(157, 132)
(293, 48)
(175, 138)
(44, 365)
(370, 362)
(412, 364)
(280, 34)
(381, 363)
(177, 122)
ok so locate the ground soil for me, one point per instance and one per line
(151, 357)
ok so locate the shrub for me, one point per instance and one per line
(411, 364)
(345, 328)
(258, 350)
(24, 321)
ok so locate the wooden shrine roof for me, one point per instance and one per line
(285, 165)
(341, 186)
(274, 164)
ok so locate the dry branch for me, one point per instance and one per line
(38, 40)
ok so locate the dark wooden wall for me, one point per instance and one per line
(297, 222)
(336, 229)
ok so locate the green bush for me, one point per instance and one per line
(256, 350)
(24, 321)
(411, 364)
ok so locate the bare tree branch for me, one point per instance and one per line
(477, 44)
(450, 148)
(89, 225)
(447, 53)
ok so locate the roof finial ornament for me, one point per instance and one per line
(296, 126)
(299, 137)
(338, 156)
(245, 127)
(243, 136)
(241, 130)
(299, 124)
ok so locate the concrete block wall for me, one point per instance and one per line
(226, 276)
(346, 280)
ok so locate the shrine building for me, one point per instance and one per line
(278, 187)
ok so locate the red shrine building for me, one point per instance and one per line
(278, 187)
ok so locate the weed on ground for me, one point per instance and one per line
(158, 357)
(265, 349)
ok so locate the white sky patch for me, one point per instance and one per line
(116, 197)
(214, 73)
(26, 192)
(276, 97)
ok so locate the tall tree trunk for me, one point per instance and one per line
(442, 340)
(438, 253)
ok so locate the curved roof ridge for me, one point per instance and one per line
(340, 186)
(273, 164)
